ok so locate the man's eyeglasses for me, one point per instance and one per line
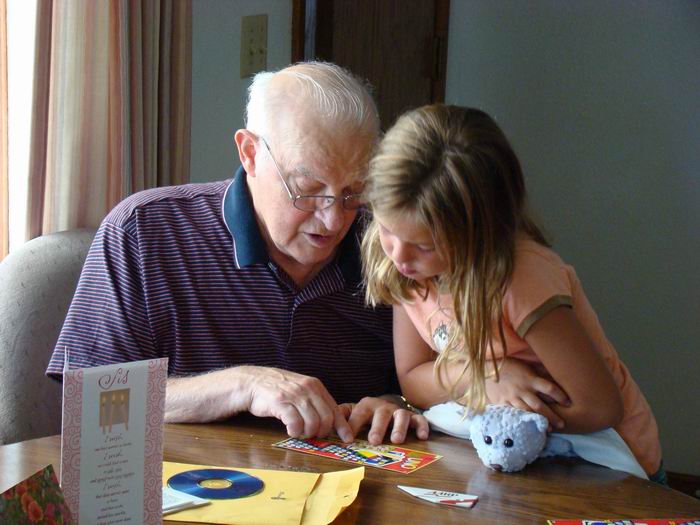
(314, 202)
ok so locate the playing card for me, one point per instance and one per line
(387, 457)
(454, 499)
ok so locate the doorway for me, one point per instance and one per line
(398, 46)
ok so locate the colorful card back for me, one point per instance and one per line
(667, 521)
(387, 457)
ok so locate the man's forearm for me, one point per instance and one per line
(207, 397)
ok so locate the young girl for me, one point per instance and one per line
(484, 310)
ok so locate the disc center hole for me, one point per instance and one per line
(215, 483)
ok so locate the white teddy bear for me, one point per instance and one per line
(507, 439)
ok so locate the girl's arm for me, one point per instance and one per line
(414, 363)
(414, 366)
(526, 386)
(578, 368)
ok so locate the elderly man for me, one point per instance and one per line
(251, 287)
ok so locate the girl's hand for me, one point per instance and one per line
(378, 413)
(520, 386)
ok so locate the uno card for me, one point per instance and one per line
(441, 497)
(387, 457)
(671, 521)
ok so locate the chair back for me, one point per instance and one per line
(37, 283)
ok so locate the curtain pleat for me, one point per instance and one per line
(180, 95)
(40, 116)
(111, 107)
(4, 181)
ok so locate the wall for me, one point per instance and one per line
(218, 92)
(602, 103)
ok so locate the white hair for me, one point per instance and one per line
(335, 94)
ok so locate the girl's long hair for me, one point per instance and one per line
(453, 170)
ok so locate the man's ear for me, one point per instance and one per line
(246, 142)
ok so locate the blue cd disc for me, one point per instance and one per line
(213, 483)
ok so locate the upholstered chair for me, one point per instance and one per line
(37, 282)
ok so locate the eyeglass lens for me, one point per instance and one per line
(321, 202)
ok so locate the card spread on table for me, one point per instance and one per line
(638, 521)
(112, 442)
(387, 457)
(37, 499)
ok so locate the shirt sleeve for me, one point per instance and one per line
(107, 321)
(539, 285)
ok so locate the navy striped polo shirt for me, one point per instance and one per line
(183, 272)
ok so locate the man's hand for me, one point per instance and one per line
(379, 413)
(520, 386)
(301, 402)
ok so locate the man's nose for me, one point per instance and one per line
(333, 217)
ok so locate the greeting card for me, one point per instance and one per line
(37, 499)
(112, 442)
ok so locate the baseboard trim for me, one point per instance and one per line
(686, 483)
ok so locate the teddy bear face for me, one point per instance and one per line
(506, 438)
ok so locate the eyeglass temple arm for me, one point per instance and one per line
(277, 168)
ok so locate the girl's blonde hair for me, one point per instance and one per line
(452, 170)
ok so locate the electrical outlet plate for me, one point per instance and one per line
(253, 44)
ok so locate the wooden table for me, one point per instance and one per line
(548, 488)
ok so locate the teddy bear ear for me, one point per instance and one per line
(475, 422)
(539, 420)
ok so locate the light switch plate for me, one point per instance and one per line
(253, 44)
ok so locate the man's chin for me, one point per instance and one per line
(319, 257)
(313, 256)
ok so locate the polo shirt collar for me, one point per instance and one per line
(249, 246)
(239, 216)
(349, 252)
